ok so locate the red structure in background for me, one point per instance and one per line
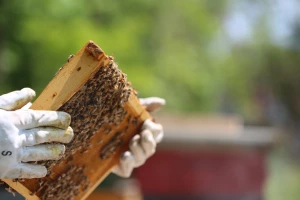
(213, 166)
(204, 174)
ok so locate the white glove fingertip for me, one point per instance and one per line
(148, 143)
(135, 139)
(16, 99)
(150, 100)
(27, 119)
(126, 165)
(126, 157)
(25, 170)
(137, 151)
(23, 98)
(148, 124)
(156, 129)
(46, 134)
(117, 171)
(65, 119)
(29, 92)
(159, 137)
(152, 103)
(43, 152)
(68, 135)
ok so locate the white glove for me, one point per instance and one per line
(23, 131)
(143, 145)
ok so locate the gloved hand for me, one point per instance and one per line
(143, 145)
(23, 131)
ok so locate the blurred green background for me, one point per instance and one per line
(227, 56)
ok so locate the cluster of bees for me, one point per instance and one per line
(66, 186)
(97, 105)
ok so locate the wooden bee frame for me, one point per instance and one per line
(105, 113)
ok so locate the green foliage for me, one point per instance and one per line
(161, 46)
(167, 48)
